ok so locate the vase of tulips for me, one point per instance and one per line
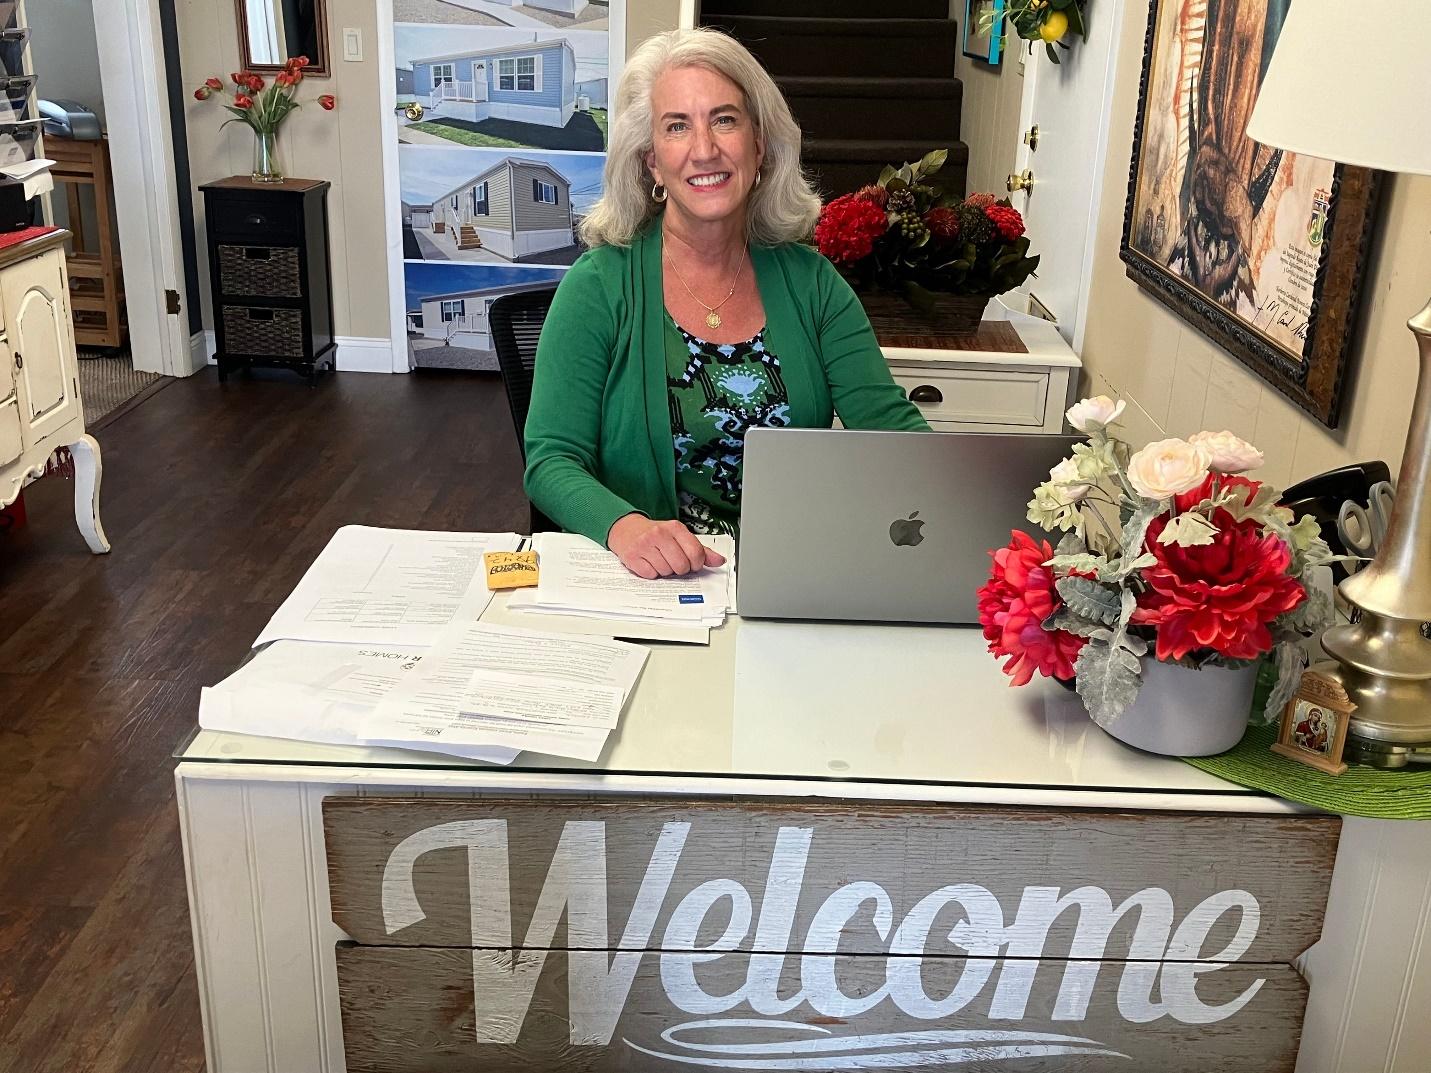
(1176, 575)
(263, 107)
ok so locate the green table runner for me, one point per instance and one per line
(1358, 791)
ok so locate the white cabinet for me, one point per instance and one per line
(980, 391)
(40, 408)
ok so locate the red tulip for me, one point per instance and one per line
(243, 100)
(202, 93)
(301, 61)
(237, 78)
(327, 102)
(255, 83)
(283, 78)
(214, 84)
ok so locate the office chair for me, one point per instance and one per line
(516, 324)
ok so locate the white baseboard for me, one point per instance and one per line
(356, 354)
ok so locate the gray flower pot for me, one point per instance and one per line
(1184, 712)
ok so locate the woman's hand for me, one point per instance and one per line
(658, 549)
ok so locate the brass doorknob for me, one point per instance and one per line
(1023, 180)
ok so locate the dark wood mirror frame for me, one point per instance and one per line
(319, 68)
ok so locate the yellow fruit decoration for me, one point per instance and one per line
(1054, 27)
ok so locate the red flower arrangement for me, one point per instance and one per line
(848, 228)
(263, 108)
(1168, 554)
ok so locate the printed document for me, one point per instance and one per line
(389, 587)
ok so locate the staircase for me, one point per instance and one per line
(865, 91)
(467, 238)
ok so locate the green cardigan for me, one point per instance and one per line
(598, 435)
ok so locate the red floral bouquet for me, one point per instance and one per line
(1168, 551)
(906, 234)
(264, 106)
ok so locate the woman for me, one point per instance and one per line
(694, 316)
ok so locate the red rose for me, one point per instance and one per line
(242, 100)
(214, 84)
(979, 201)
(943, 223)
(1220, 596)
(327, 102)
(202, 93)
(1007, 219)
(848, 227)
(1019, 596)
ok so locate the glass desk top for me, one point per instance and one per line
(813, 701)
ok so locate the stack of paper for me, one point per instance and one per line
(580, 578)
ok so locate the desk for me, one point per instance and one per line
(792, 793)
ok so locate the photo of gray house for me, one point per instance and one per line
(448, 308)
(530, 83)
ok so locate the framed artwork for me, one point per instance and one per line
(1261, 250)
(984, 29)
(1314, 724)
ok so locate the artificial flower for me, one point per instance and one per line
(1089, 415)
(1013, 606)
(1221, 596)
(848, 228)
(979, 201)
(1167, 468)
(254, 83)
(874, 192)
(1229, 453)
(1067, 481)
(214, 84)
(284, 78)
(202, 93)
(943, 223)
(1006, 219)
(327, 102)
(238, 78)
(242, 100)
(1049, 510)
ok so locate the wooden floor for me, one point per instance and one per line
(216, 498)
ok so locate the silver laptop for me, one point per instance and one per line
(880, 526)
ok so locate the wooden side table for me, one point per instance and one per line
(269, 275)
(96, 276)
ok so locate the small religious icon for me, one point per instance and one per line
(1314, 724)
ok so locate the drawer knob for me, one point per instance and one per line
(926, 393)
(255, 220)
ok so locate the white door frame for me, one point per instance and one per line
(141, 148)
(1109, 25)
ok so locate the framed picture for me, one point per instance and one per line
(984, 29)
(1261, 250)
(1314, 724)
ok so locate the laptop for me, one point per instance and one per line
(881, 526)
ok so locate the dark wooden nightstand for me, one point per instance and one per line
(269, 274)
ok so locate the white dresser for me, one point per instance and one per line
(984, 391)
(40, 409)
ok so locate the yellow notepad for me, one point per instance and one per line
(510, 569)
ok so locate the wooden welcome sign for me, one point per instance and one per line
(638, 934)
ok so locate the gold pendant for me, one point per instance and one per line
(713, 319)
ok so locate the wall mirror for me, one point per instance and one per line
(273, 31)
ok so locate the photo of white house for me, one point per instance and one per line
(491, 207)
(448, 306)
(558, 14)
(501, 88)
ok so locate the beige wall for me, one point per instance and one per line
(1176, 381)
(343, 146)
(990, 116)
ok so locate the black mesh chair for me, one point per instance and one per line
(516, 324)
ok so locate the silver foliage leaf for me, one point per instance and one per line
(1187, 531)
(1064, 619)
(1081, 562)
(1135, 529)
(1291, 662)
(1108, 679)
(1070, 545)
(1088, 599)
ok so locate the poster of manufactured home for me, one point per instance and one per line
(495, 206)
(531, 14)
(501, 88)
(448, 307)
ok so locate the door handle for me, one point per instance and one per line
(1031, 138)
(926, 393)
(1023, 180)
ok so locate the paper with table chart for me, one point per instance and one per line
(580, 578)
(310, 691)
(389, 587)
(492, 686)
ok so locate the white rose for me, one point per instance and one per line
(1067, 484)
(1229, 453)
(1095, 413)
(1167, 468)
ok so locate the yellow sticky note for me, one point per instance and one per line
(510, 569)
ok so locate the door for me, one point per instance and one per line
(1069, 103)
(41, 338)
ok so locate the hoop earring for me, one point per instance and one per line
(758, 176)
(654, 195)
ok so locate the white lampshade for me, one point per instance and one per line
(1349, 81)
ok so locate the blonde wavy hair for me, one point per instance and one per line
(782, 208)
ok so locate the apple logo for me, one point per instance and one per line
(905, 532)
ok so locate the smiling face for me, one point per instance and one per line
(706, 150)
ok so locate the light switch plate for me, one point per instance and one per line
(352, 43)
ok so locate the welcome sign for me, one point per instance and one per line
(636, 934)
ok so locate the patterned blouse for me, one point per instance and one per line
(717, 391)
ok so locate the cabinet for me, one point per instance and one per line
(40, 407)
(269, 274)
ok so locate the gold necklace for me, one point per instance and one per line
(712, 317)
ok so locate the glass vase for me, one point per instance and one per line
(266, 166)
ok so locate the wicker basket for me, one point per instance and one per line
(259, 332)
(952, 314)
(267, 271)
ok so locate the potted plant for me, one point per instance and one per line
(921, 258)
(263, 108)
(1175, 576)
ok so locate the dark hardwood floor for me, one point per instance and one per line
(216, 499)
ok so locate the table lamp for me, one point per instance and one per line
(1372, 114)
